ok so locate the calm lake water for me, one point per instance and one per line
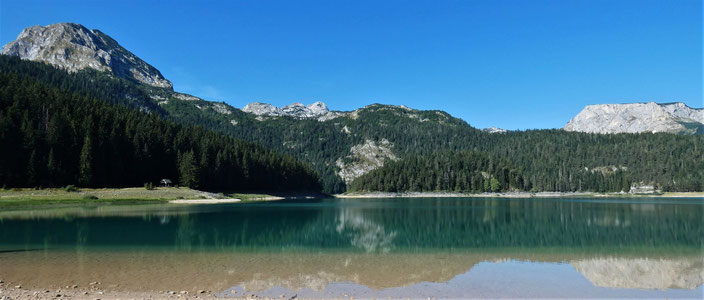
(439, 247)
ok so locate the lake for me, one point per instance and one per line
(367, 248)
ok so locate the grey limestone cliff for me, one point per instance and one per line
(638, 117)
(74, 47)
(317, 110)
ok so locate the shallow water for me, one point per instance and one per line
(437, 247)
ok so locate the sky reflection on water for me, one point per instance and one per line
(450, 248)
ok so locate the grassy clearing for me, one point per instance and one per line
(22, 197)
(71, 195)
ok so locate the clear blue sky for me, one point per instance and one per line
(511, 64)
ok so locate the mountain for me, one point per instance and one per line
(51, 137)
(638, 117)
(317, 110)
(74, 47)
(342, 146)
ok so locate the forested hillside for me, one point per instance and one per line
(547, 160)
(458, 171)
(51, 137)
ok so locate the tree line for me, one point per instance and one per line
(461, 171)
(52, 138)
(548, 160)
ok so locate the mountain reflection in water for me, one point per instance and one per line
(368, 247)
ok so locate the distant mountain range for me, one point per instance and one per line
(344, 145)
(74, 47)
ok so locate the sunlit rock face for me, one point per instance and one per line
(638, 117)
(643, 273)
(365, 158)
(493, 129)
(317, 110)
(74, 47)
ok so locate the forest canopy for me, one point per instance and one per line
(545, 160)
(54, 138)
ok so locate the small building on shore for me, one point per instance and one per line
(165, 183)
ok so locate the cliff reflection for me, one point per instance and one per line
(362, 232)
(643, 273)
(365, 225)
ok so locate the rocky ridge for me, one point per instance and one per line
(365, 158)
(638, 117)
(317, 110)
(74, 47)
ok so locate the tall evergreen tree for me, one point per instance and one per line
(85, 175)
(188, 171)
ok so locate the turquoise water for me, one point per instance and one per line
(640, 239)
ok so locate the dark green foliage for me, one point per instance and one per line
(70, 188)
(548, 160)
(454, 171)
(188, 170)
(149, 186)
(555, 160)
(52, 138)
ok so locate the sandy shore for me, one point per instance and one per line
(512, 195)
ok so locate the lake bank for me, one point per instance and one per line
(515, 195)
(18, 197)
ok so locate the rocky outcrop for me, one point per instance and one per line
(364, 158)
(638, 117)
(493, 129)
(74, 47)
(317, 110)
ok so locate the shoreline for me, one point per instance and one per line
(49, 197)
(363, 195)
(204, 201)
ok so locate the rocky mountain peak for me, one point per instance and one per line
(295, 110)
(318, 108)
(74, 47)
(638, 117)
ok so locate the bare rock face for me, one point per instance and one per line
(74, 47)
(262, 109)
(493, 129)
(365, 158)
(317, 110)
(638, 117)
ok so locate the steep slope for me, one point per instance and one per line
(364, 139)
(73, 47)
(51, 137)
(638, 117)
(342, 146)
